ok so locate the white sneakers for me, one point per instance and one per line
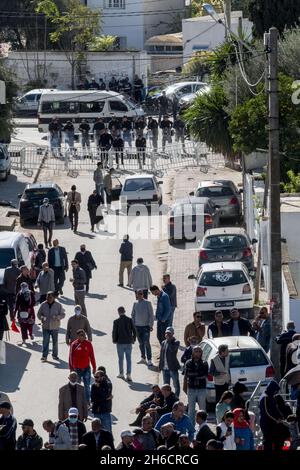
(128, 378)
(120, 376)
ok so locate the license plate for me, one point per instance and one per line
(224, 304)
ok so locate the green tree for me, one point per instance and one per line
(6, 117)
(74, 29)
(280, 13)
(198, 10)
(102, 43)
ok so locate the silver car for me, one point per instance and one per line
(225, 194)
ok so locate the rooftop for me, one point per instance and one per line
(208, 18)
(174, 39)
(233, 342)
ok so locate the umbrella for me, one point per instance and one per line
(293, 376)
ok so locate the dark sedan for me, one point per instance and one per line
(189, 218)
(32, 199)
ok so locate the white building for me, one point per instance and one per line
(203, 33)
(135, 21)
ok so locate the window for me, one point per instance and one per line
(29, 97)
(222, 278)
(247, 358)
(115, 4)
(40, 194)
(206, 352)
(118, 106)
(24, 250)
(3, 154)
(93, 107)
(214, 191)
(140, 184)
(59, 107)
(6, 255)
(226, 241)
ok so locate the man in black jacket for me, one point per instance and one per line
(76, 428)
(239, 326)
(58, 261)
(29, 440)
(101, 399)
(79, 281)
(284, 339)
(97, 437)
(87, 263)
(105, 141)
(195, 373)
(8, 426)
(218, 328)
(126, 251)
(168, 362)
(124, 336)
(204, 433)
(171, 290)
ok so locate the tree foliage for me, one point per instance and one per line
(6, 118)
(102, 43)
(279, 13)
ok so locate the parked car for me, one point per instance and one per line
(32, 198)
(13, 245)
(225, 194)
(179, 89)
(227, 244)
(32, 245)
(143, 190)
(190, 217)
(5, 162)
(222, 286)
(187, 100)
(29, 102)
(249, 364)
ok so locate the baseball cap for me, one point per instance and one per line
(27, 422)
(170, 329)
(127, 433)
(6, 405)
(73, 411)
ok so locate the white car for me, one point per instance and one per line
(29, 102)
(248, 363)
(141, 190)
(222, 286)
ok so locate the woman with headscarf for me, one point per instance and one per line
(24, 309)
(242, 432)
(273, 429)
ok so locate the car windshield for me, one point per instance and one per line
(225, 241)
(247, 358)
(189, 209)
(214, 191)
(40, 193)
(2, 154)
(139, 184)
(222, 278)
(6, 255)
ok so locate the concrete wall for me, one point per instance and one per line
(160, 62)
(58, 70)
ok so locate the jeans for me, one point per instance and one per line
(161, 328)
(127, 137)
(100, 190)
(47, 227)
(85, 375)
(46, 341)
(143, 336)
(105, 420)
(73, 216)
(196, 395)
(121, 350)
(85, 142)
(172, 374)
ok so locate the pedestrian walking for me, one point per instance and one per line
(140, 278)
(153, 130)
(239, 326)
(98, 179)
(68, 130)
(24, 277)
(3, 321)
(50, 312)
(45, 281)
(81, 355)
(118, 146)
(218, 328)
(46, 219)
(219, 369)
(124, 336)
(101, 399)
(168, 362)
(195, 373)
(163, 312)
(140, 144)
(8, 427)
(284, 339)
(126, 126)
(73, 201)
(98, 437)
(163, 106)
(58, 261)
(54, 130)
(143, 319)
(108, 186)
(166, 127)
(126, 251)
(77, 322)
(85, 128)
(262, 328)
(72, 395)
(24, 310)
(29, 439)
(87, 263)
(76, 428)
(171, 290)
(59, 436)
(179, 419)
(40, 258)
(79, 281)
(11, 273)
(196, 329)
(94, 202)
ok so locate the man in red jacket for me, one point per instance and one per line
(80, 356)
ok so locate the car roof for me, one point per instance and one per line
(7, 239)
(235, 342)
(39, 90)
(45, 185)
(226, 231)
(206, 183)
(178, 85)
(226, 265)
(192, 200)
(140, 176)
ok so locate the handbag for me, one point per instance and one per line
(23, 315)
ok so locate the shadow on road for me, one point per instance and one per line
(96, 296)
(98, 332)
(140, 387)
(10, 377)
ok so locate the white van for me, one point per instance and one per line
(84, 104)
(29, 103)
(5, 162)
(143, 189)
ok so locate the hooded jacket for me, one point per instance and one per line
(140, 277)
(269, 413)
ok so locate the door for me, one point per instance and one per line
(116, 188)
(117, 108)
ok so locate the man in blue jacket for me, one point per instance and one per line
(181, 421)
(163, 312)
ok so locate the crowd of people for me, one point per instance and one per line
(136, 89)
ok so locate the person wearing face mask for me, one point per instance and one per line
(45, 281)
(77, 322)
(47, 219)
(24, 308)
(76, 428)
(87, 263)
(72, 395)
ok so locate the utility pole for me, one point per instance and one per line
(227, 11)
(275, 268)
